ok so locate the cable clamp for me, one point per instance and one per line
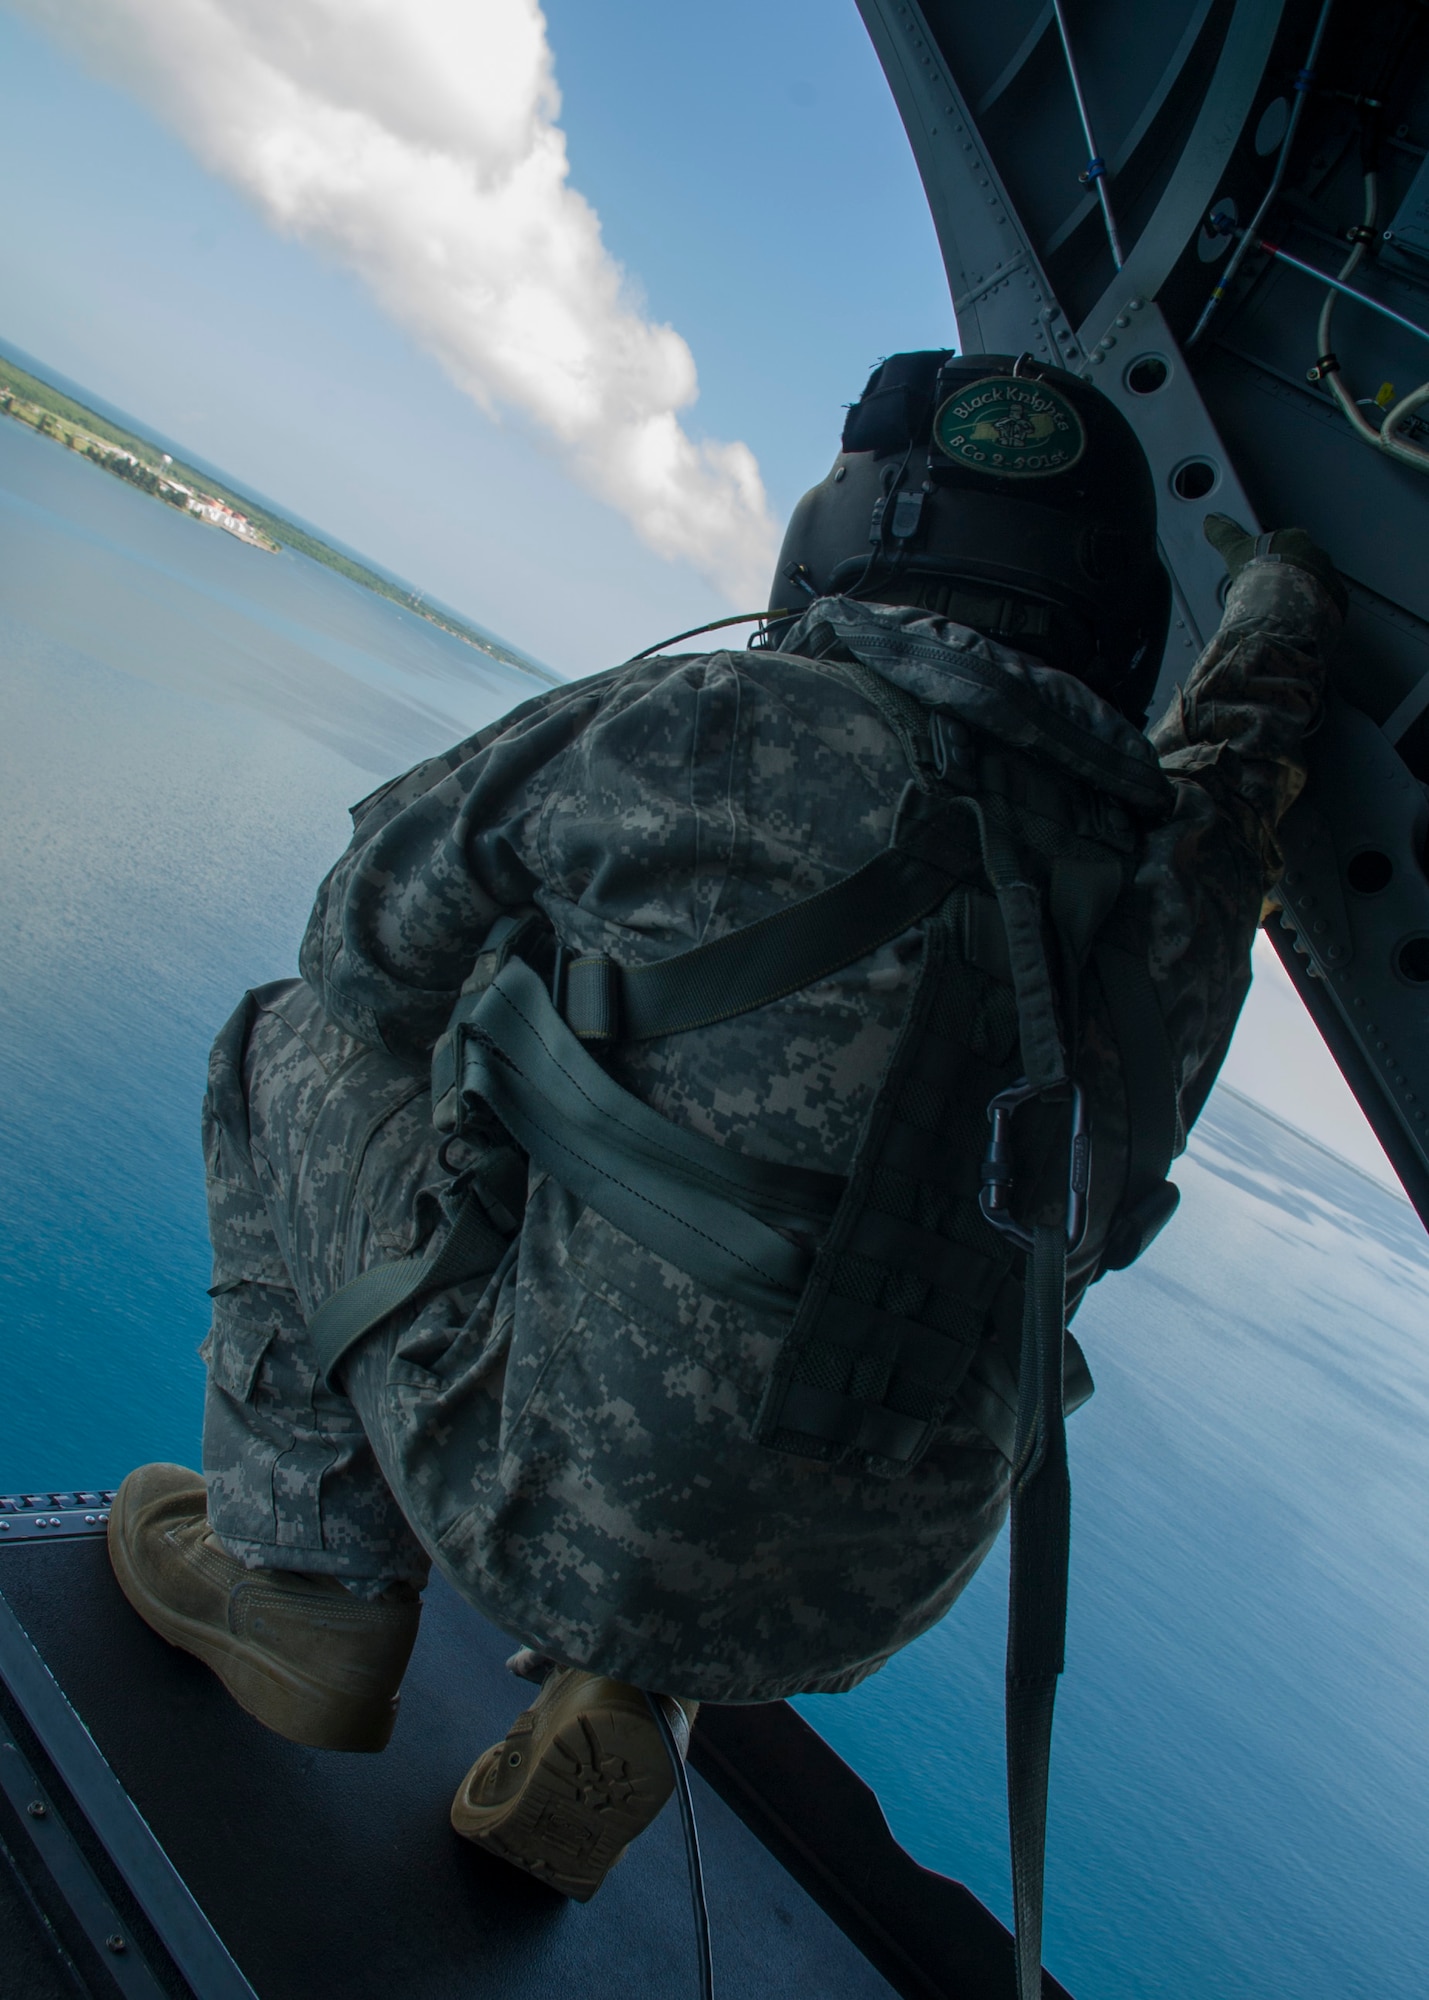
(1360, 232)
(1305, 79)
(1328, 364)
(1093, 171)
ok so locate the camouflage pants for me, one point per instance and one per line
(321, 1160)
(548, 1440)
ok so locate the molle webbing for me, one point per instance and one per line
(898, 1300)
(905, 1284)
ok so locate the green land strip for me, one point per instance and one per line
(141, 462)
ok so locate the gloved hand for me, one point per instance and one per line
(1236, 546)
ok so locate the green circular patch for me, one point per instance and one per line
(1013, 427)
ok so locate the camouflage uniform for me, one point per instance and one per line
(571, 1440)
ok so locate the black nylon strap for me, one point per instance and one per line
(471, 1249)
(1041, 1488)
(1148, 1074)
(760, 962)
(1037, 1601)
(1148, 1199)
(1019, 901)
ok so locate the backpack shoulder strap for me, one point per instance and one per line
(764, 961)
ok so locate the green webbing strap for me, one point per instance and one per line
(697, 1204)
(1037, 1601)
(759, 963)
(471, 1249)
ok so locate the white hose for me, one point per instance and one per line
(1387, 438)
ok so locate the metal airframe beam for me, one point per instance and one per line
(1361, 799)
(994, 273)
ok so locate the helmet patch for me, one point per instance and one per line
(1012, 426)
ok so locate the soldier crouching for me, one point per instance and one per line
(699, 1338)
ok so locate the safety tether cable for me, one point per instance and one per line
(714, 625)
(692, 1844)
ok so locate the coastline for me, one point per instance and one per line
(29, 399)
(112, 457)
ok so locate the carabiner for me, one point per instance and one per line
(995, 1194)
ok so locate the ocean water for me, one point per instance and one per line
(183, 723)
(1241, 1771)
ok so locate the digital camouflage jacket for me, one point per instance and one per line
(621, 1511)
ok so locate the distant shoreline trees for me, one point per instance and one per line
(27, 399)
(126, 466)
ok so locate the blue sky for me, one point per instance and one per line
(754, 182)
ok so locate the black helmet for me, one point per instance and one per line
(1001, 493)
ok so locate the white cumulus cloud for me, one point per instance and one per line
(417, 141)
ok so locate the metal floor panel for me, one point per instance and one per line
(338, 1874)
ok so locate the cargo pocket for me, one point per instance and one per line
(693, 1359)
(247, 1319)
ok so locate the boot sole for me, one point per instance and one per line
(317, 1717)
(599, 1782)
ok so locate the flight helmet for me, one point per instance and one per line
(1004, 494)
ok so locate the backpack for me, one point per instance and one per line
(969, 1215)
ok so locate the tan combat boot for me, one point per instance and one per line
(300, 1653)
(579, 1774)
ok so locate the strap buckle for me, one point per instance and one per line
(995, 1194)
(517, 933)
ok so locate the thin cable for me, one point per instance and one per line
(1345, 291)
(717, 625)
(879, 552)
(1303, 84)
(692, 1845)
(1096, 173)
